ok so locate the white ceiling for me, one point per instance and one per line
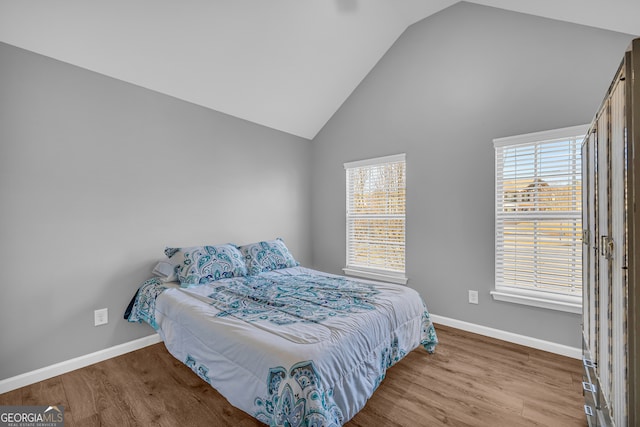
(285, 64)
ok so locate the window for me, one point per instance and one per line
(376, 191)
(539, 220)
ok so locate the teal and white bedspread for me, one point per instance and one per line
(292, 347)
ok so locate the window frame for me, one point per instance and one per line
(363, 271)
(531, 296)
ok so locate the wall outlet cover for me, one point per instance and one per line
(101, 317)
(473, 297)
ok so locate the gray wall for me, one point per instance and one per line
(97, 176)
(450, 85)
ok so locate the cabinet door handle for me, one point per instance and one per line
(606, 247)
(585, 237)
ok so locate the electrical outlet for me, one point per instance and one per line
(473, 297)
(101, 317)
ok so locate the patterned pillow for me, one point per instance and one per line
(198, 265)
(267, 256)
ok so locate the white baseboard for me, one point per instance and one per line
(75, 363)
(549, 346)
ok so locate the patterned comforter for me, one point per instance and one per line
(290, 347)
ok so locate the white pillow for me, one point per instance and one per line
(165, 271)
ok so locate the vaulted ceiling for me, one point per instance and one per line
(285, 64)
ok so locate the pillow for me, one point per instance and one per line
(165, 271)
(198, 265)
(267, 256)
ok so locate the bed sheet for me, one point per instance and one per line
(290, 347)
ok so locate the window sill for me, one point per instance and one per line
(569, 304)
(382, 277)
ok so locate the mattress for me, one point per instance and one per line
(290, 347)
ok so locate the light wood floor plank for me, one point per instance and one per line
(471, 380)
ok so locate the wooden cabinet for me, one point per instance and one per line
(611, 238)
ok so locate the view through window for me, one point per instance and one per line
(538, 214)
(376, 193)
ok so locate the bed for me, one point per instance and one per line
(287, 344)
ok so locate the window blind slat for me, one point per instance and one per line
(538, 216)
(376, 194)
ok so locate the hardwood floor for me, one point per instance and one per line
(471, 380)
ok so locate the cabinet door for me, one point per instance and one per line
(604, 344)
(617, 258)
(590, 249)
(586, 312)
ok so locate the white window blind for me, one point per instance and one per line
(376, 193)
(538, 217)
